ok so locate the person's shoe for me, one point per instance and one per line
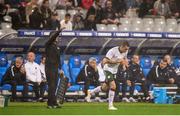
(50, 107)
(131, 99)
(112, 108)
(54, 107)
(125, 99)
(57, 106)
(40, 99)
(88, 97)
(98, 99)
(12, 100)
(148, 99)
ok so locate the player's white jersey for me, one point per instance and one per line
(101, 73)
(114, 54)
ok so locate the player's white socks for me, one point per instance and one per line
(96, 90)
(111, 97)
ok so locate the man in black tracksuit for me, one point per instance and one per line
(51, 67)
(123, 76)
(137, 76)
(89, 74)
(161, 74)
(15, 75)
(173, 71)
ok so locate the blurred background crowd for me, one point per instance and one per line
(81, 14)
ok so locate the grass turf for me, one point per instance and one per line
(19, 108)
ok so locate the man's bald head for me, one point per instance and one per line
(31, 56)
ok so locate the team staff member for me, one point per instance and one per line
(137, 76)
(89, 74)
(51, 67)
(173, 71)
(15, 75)
(123, 76)
(33, 73)
(161, 75)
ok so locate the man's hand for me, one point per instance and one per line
(61, 73)
(22, 70)
(171, 80)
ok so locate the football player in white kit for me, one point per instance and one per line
(114, 57)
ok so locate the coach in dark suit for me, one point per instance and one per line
(51, 67)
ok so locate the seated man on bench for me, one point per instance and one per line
(162, 74)
(15, 75)
(137, 76)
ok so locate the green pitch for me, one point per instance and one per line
(91, 109)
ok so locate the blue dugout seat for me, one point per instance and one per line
(3, 65)
(75, 67)
(146, 64)
(65, 68)
(176, 62)
(38, 58)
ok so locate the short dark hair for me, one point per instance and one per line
(67, 15)
(44, 1)
(125, 43)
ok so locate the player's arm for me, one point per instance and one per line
(53, 36)
(111, 61)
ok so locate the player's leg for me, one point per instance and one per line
(132, 88)
(117, 98)
(124, 89)
(112, 88)
(103, 87)
(145, 88)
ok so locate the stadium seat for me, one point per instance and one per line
(146, 64)
(6, 26)
(101, 27)
(74, 88)
(38, 58)
(3, 63)
(137, 21)
(7, 18)
(61, 14)
(176, 62)
(147, 28)
(1, 32)
(178, 28)
(112, 27)
(18, 88)
(136, 28)
(172, 22)
(65, 68)
(75, 67)
(125, 21)
(148, 22)
(160, 21)
(1, 76)
(170, 28)
(124, 28)
(158, 28)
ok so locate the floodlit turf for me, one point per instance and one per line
(91, 108)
